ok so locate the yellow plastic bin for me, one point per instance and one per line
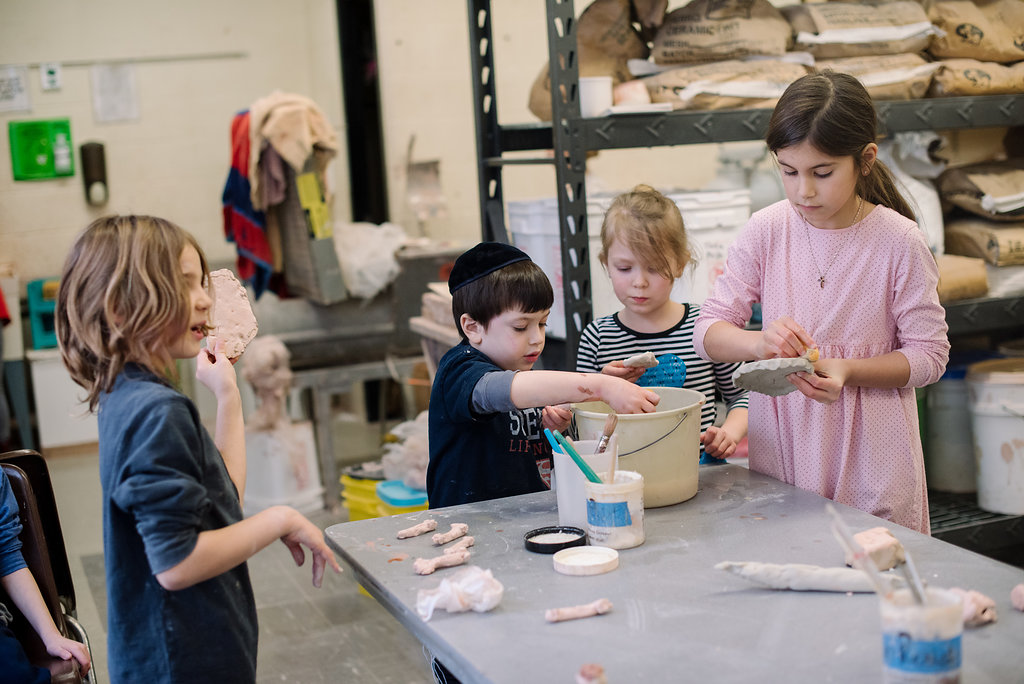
(396, 498)
(360, 497)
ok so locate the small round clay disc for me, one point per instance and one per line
(586, 560)
(768, 376)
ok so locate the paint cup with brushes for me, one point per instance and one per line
(921, 627)
(568, 478)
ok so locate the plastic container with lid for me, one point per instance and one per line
(397, 498)
(996, 399)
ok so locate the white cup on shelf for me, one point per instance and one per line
(595, 93)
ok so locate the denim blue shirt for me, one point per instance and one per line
(164, 482)
(11, 559)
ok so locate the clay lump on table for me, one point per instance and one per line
(416, 530)
(598, 607)
(457, 530)
(426, 566)
(881, 545)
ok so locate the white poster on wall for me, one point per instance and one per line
(14, 89)
(114, 96)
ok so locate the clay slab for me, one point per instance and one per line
(768, 376)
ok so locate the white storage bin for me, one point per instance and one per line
(713, 219)
(61, 414)
(282, 469)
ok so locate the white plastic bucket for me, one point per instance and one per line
(615, 511)
(949, 464)
(996, 396)
(664, 446)
(568, 480)
(282, 469)
(713, 219)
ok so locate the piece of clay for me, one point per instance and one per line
(644, 360)
(426, 566)
(457, 530)
(1017, 597)
(978, 609)
(470, 588)
(417, 530)
(811, 354)
(591, 673)
(800, 577)
(231, 317)
(881, 546)
(463, 543)
(598, 607)
(768, 376)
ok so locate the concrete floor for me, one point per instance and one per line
(307, 635)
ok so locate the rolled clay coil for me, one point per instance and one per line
(417, 530)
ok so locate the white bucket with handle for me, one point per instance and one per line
(664, 446)
(996, 399)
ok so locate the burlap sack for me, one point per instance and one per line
(961, 277)
(987, 189)
(970, 77)
(724, 85)
(709, 30)
(887, 77)
(605, 40)
(650, 14)
(1000, 244)
(986, 30)
(966, 146)
(605, 28)
(848, 29)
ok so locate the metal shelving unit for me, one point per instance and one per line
(571, 137)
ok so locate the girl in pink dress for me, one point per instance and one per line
(840, 266)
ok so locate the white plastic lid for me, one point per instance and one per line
(586, 560)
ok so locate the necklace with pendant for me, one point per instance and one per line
(814, 257)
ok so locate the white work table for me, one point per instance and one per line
(675, 618)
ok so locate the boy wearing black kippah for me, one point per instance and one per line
(486, 430)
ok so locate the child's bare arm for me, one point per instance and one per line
(217, 551)
(219, 376)
(22, 588)
(545, 388)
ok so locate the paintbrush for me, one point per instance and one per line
(913, 579)
(606, 434)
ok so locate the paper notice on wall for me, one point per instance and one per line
(14, 89)
(114, 96)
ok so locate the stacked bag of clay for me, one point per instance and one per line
(721, 54)
(982, 192)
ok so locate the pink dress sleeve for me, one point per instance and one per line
(920, 319)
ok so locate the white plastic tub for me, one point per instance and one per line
(996, 396)
(713, 219)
